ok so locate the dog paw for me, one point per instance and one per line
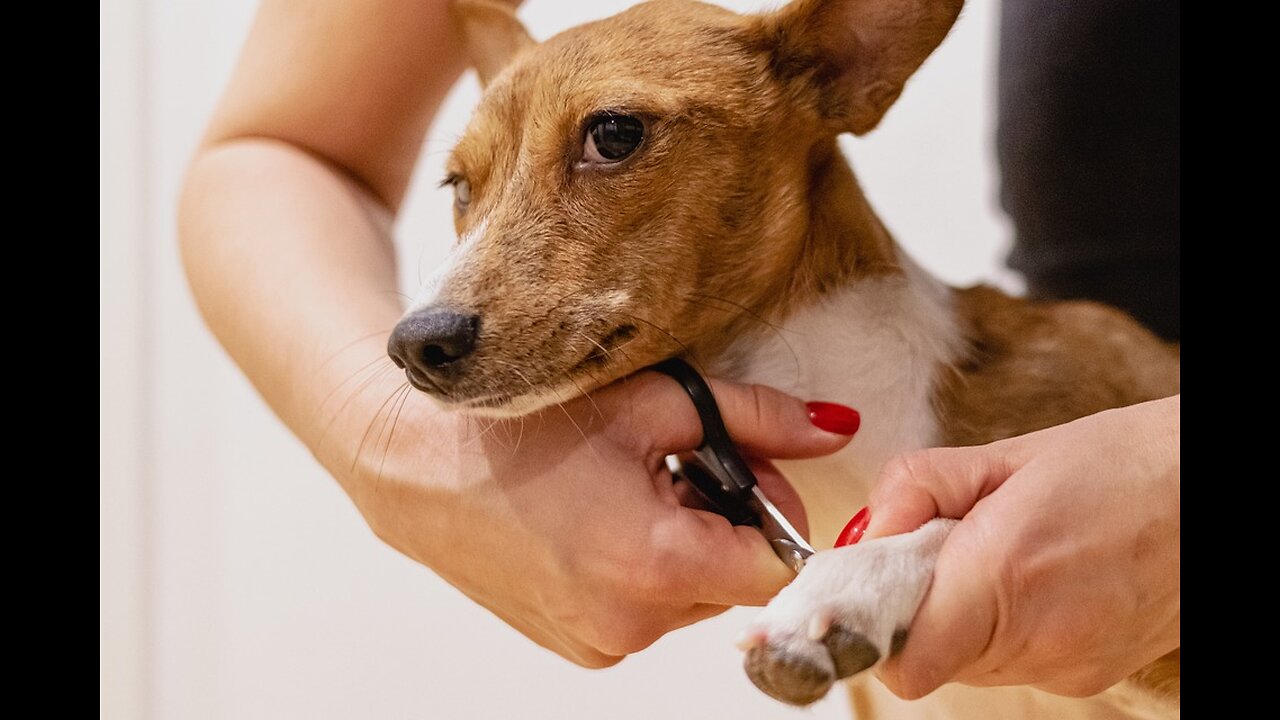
(847, 610)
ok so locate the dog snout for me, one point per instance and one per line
(429, 343)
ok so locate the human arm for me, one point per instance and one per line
(565, 524)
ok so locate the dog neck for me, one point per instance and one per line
(853, 318)
(844, 240)
(871, 329)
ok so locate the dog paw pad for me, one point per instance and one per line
(790, 677)
(851, 652)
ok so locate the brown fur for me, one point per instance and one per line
(740, 176)
(738, 209)
(1033, 365)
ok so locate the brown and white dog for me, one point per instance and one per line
(667, 182)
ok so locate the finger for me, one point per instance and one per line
(770, 423)
(764, 421)
(723, 564)
(916, 487)
(954, 625)
(689, 496)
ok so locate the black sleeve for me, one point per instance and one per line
(1088, 148)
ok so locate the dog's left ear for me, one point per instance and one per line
(858, 52)
(493, 35)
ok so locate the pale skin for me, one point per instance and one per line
(1065, 570)
(285, 230)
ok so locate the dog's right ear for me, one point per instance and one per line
(492, 33)
(857, 54)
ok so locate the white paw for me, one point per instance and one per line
(845, 612)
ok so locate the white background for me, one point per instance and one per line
(237, 580)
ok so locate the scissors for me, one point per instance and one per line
(723, 477)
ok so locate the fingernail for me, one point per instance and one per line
(852, 532)
(834, 418)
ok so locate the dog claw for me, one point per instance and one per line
(819, 625)
(750, 638)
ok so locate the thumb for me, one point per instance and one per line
(726, 564)
(916, 487)
(764, 422)
(957, 622)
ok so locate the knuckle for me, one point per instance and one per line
(746, 405)
(757, 406)
(910, 469)
(653, 575)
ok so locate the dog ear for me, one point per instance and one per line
(858, 52)
(492, 33)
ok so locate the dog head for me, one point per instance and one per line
(647, 185)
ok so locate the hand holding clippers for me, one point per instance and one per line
(719, 472)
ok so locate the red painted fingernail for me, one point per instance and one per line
(834, 418)
(852, 532)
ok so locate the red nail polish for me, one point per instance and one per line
(852, 532)
(834, 418)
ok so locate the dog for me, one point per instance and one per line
(667, 182)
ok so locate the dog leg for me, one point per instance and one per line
(847, 610)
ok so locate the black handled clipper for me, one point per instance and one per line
(724, 478)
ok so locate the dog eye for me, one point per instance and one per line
(462, 193)
(611, 138)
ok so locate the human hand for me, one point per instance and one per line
(566, 524)
(1063, 573)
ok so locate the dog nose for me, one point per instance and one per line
(432, 340)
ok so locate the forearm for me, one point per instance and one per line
(293, 267)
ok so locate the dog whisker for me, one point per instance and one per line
(559, 404)
(471, 422)
(497, 421)
(687, 351)
(347, 346)
(593, 341)
(377, 414)
(585, 394)
(397, 292)
(744, 310)
(376, 374)
(362, 369)
(405, 391)
(519, 437)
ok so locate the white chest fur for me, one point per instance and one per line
(876, 346)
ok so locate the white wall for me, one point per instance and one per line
(237, 580)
